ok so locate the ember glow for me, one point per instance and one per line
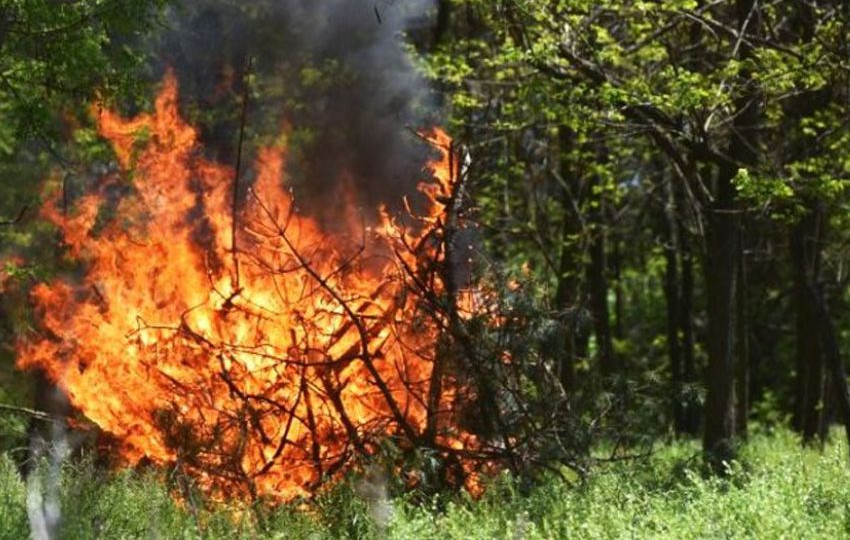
(262, 368)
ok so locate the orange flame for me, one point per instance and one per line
(262, 370)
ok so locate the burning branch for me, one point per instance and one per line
(267, 367)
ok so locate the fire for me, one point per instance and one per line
(242, 343)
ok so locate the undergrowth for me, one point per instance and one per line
(776, 490)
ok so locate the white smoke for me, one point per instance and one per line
(43, 482)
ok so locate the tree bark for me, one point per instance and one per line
(723, 243)
(723, 231)
(442, 25)
(568, 295)
(686, 327)
(567, 301)
(685, 324)
(742, 375)
(598, 283)
(810, 400)
(805, 260)
(832, 356)
(672, 295)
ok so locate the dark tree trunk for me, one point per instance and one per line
(810, 402)
(568, 295)
(567, 301)
(686, 326)
(672, 295)
(692, 411)
(598, 284)
(832, 357)
(805, 259)
(742, 375)
(723, 243)
(723, 231)
(444, 16)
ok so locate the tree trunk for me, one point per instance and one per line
(742, 375)
(598, 284)
(672, 295)
(723, 231)
(832, 356)
(805, 259)
(685, 323)
(568, 296)
(686, 326)
(567, 301)
(723, 243)
(441, 27)
(810, 400)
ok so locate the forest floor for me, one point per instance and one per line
(778, 490)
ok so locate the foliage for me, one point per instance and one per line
(55, 58)
(606, 142)
(668, 140)
(778, 490)
(665, 497)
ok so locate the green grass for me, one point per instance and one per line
(778, 490)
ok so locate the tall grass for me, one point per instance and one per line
(777, 490)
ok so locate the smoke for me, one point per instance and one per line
(337, 71)
(48, 451)
(372, 488)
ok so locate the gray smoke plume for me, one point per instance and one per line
(337, 71)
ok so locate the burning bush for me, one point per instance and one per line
(234, 338)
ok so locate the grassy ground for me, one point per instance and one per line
(778, 491)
